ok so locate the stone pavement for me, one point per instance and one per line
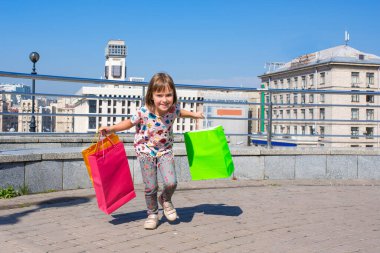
(215, 216)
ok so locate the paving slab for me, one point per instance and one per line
(215, 216)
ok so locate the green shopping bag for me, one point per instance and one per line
(208, 154)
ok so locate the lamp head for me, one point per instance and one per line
(34, 57)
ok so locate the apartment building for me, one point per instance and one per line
(24, 120)
(64, 123)
(302, 106)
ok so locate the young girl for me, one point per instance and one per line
(154, 143)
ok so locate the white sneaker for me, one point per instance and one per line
(169, 211)
(151, 222)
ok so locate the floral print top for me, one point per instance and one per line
(154, 134)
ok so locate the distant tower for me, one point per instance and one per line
(115, 68)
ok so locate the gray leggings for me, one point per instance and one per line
(149, 166)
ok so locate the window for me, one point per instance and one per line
(311, 80)
(354, 113)
(354, 97)
(303, 82)
(281, 84)
(100, 102)
(311, 98)
(109, 103)
(275, 99)
(370, 98)
(275, 85)
(303, 130)
(303, 114)
(114, 103)
(295, 129)
(369, 132)
(370, 78)
(303, 98)
(295, 98)
(295, 113)
(92, 123)
(322, 131)
(288, 114)
(287, 129)
(114, 110)
(289, 83)
(288, 98)
(322, 98)
(295, 82)
(322, 78)
(322, 113)
(109, 110)
(92, 106)
(116, 71)
(311, 130)
(354, 132)
(123, 103)
(281, 99)
(311, 113)
(281, 114)
(370, 114)
(100, 110)
(354, 79)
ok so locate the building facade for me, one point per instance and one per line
(115, 65)
(112, 104)
(302, 106)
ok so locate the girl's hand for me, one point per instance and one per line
(104, 130)
(199, 115)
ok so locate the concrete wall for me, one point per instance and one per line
(63, 168)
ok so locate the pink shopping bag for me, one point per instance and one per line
(112, 177)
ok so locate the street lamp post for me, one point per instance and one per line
(34, 57)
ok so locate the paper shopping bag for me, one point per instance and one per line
(112, 177)
(208, 154)
(100, 145)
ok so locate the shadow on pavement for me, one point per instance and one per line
(55, 202)
(185, 214)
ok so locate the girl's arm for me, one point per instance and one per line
(193, 115)
(121, 126)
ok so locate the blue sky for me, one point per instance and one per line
(198, 42)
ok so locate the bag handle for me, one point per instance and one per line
(97, 143)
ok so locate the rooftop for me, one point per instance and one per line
(341, 54)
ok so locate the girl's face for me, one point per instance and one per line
(163, 100)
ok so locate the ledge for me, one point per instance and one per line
(70, 153)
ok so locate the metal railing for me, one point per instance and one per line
(254, 121)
